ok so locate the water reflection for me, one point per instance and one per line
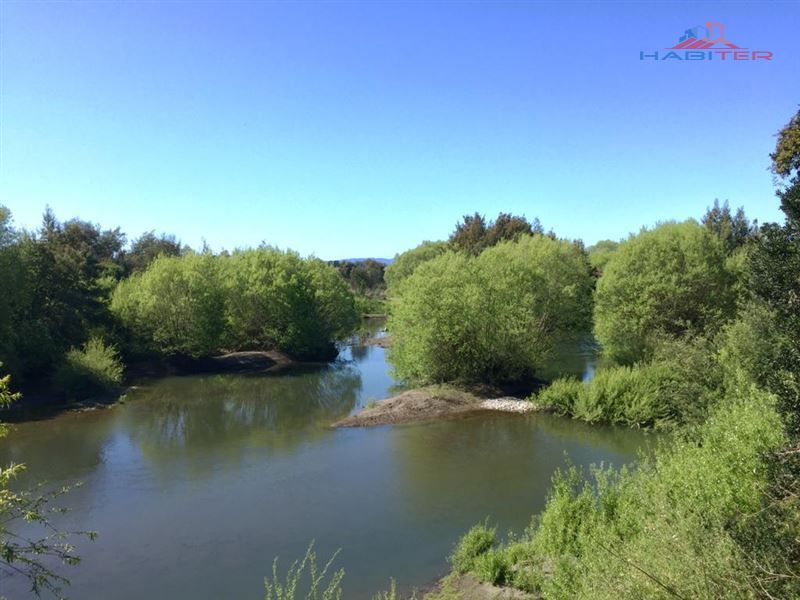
(195, 483)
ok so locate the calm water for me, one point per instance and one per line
(196, 483)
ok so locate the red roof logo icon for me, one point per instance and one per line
(703, 37)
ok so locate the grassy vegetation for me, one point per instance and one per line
(675, 387)
(93, 369)
(687, 523)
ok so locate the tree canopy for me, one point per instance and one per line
(492, 317)
(672, 280)
(473, 234)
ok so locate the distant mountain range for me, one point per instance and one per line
(385, 261)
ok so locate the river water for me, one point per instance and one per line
(196, 483)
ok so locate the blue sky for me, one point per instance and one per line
(361, 128)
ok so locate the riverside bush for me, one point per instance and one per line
(477, 541)
(259, 299)
(276, 299)
(675, 387)
(94, 368)
(176, 306)
(494, 317)
(685, 524)
(673, 280)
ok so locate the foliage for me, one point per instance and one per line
(494, 317)
(674, 388)
(321, 585)
(473, 234)
(276, 299)
(786, 165)
(21, 554)
(734, 231)
(58, 281)
(686, 523)
(600, 254)
(95, 368)
(491, 567)
(476, 542)
(406, 263)
(176, 306)
(670, 281)
(366, 305)
(365, 276)
(149, 246)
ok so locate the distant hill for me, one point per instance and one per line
(385, 261)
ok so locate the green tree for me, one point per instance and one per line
(149, 246)
(733, 229)
(406, 263)
(669, 281)
(493, 317)
(176, 306)
(775, 279)
(473, 234)
(600, 254)
(278, 300)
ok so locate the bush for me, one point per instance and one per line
(176, 306)
(320, 584)
(266, 298)
(560, 396)
(477, 541)
(491, 567)
(495, 317)
(406, 263)
(276, 299)
(669, 281)
(687, 523)
(93, 369)
(675, 387)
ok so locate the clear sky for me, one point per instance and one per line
(350, 129)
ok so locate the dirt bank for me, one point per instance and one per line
(466, 587)
(429, 403)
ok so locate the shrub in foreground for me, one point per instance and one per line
(93, 369)
(685, 524)
(476, 542)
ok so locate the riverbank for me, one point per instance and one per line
(432, 403)
(42, 398)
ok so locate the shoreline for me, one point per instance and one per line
(433, 403)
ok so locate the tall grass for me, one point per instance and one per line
(93, 369)
(686, 524)
(321, 585)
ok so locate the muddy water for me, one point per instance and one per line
(196, 483)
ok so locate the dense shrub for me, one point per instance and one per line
(93, 369)
(265, 298)
(685, 524)
(406, 263)
(276, 299)
(675, 387)
(493, 317)
(476, 542)
(176, 306)
(669, 281)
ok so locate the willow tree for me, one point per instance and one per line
(494, 317)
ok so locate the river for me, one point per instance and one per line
(195, 483)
